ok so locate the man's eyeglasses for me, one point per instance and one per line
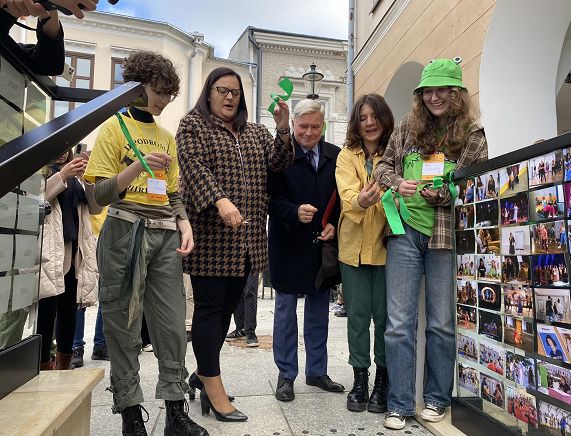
(223, 91)
(315, 234)
(160, 94)
(440, 92)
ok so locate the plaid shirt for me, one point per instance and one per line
(388, 174)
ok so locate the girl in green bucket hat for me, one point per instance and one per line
(439, 135)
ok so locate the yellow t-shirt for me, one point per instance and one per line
(97, 221)
(112, 154)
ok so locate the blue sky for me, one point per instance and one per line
(222, 21)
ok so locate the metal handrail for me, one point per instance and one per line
(27, 154)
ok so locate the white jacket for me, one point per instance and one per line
(56, 255)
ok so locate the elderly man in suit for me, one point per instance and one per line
(299, 197)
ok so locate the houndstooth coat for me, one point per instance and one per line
(214, 165)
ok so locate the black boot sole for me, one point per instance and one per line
(377, 408)
(356, 407)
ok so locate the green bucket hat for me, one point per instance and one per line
(441, 72)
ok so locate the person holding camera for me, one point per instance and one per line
(47, 56)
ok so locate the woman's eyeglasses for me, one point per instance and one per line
(223, 91)
(171, 97)
(440, 92)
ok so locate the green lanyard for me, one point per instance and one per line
(133, 146)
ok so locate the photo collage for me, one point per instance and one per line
(513, 295)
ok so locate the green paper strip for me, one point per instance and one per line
(393, 214)
(438, 182)
(133, 146)
(287, 87)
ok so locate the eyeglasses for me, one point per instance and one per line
(315, 234)
(440, 92)
(223, 91)
(171, 97)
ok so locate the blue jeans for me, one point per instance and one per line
(408, 258)
(98, 338)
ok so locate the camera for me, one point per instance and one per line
(49, 6)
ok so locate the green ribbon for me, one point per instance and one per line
(438, 182)
(393, 214)
(133, 146)
(287, 87)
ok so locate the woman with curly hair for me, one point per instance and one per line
(439, 135)
(362, 253)
(140, 246)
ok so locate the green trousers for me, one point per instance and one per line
(365, 295)
(12, 326)
(154, 283)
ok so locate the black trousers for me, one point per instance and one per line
(245, 315)
(215, 299)
(65, 307)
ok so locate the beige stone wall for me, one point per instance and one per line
(426, 30)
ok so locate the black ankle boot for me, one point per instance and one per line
(378, 400)
(133, 424)
(359, 395)
(177, 422)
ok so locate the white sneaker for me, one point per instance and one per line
(148, 348)
(394, 421)
(432, 413)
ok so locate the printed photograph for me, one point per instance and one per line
(567, 191)
(518, 300)
(550, 270)
(553, 421)
(553, 305)
(465, 242)
(513, 179)
(468, 378)
(490, 325)
(567, 165)
(467, 347)
(465, 217)
(554, 381)
(565, 335)
(515, 269)
(521, 405)
(547, 203)
(487, 186)
(520, 369)
(466, 317)
(546, 169)
(488, 241)
(487, 214)
(493, 357)
(519, 333)
(466, 292)
(548, 237)
(489, 267)
(548, 343)
(490, 296)
(515, 240)
(465, 190)
(492, 390)
(466, 266)
(514, 210)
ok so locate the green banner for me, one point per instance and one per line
(393, 214)
(287, 87)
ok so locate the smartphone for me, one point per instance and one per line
(80, 148)
(49, 6)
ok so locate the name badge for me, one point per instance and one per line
(157, 187)
(433, 166)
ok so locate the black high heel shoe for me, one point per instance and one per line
(195, 383)
(206, 406)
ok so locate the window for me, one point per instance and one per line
(116, 72)
(83, 65)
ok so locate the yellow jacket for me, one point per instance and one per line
(360, 231)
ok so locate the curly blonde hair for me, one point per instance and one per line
(460, 118)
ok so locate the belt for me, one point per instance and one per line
(150, 223)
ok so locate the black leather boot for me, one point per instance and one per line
(378, 400)
(133, 424)
(178, 423)
(359, 395)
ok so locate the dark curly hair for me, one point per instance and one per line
(152, 69)
(384, 116)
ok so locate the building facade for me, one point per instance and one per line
(282, 54)
(516, 59)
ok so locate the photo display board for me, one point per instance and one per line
(513, 306)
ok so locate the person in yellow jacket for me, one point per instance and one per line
(361, 251)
